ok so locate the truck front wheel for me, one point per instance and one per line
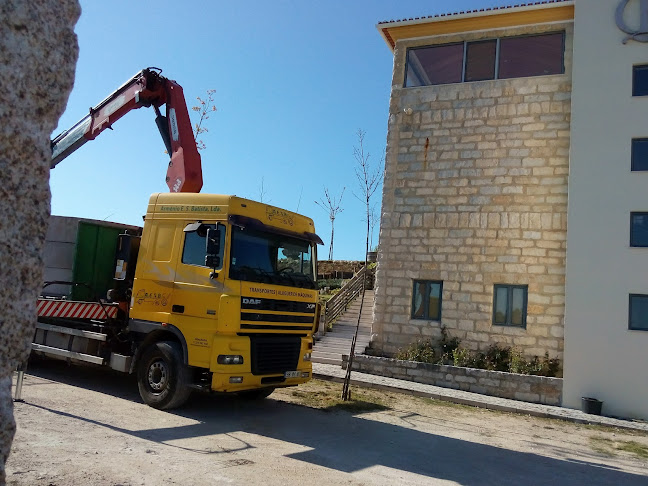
(162, 377)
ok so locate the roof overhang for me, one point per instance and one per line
(486, 19)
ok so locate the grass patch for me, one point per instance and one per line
(610, 446)
(357, 406)
(327, 396)
(602, 446)
(635, 448)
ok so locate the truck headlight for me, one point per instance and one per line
(307, 356)
(229, 359)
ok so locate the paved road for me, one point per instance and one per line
(82, 426)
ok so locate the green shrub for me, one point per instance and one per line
(498, 358)
(422, 351)
(461, 357)
(448, 345)
(331, 283)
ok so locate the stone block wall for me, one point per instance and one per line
(527, 388)
(475, 194)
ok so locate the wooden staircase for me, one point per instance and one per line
(330, 348)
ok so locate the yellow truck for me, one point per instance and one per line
(215, 293)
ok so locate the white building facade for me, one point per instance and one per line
(606, 319)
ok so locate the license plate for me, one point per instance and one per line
(292, 374)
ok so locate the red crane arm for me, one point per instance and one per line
(146, 88)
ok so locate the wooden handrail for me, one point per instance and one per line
(337, 304)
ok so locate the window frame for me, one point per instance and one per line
(635, 68)
(633, 164)
(509, 305)
(420, 67)
(497, 57)
(630, 327)
(215, 225)
(426, 308)
(632, 236)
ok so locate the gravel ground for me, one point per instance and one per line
(83, 426)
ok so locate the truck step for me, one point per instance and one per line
(41, 348)
(74, 332)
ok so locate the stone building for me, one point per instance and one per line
(475, 191)
(481, 158)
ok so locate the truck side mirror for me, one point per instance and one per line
(212, 248)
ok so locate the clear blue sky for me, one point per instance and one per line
(295, 80)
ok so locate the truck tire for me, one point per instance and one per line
(259, 394)
(162, 377)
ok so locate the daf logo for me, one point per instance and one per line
(251, 301)
(640, 34)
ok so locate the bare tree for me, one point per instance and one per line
(374, 220)
(263, 192)
(332, 206)
(204, 108)
(369, 179)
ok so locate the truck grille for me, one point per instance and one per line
(274, 354)
(276, 315)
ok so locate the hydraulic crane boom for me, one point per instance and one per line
(146, 88)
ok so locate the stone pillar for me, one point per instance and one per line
(38, 53)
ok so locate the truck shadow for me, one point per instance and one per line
(345, 442)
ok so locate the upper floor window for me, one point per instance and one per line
(638, 315)
(639, 229)
(640, 80)
(639, 155)
(426, 301)
(508, 57)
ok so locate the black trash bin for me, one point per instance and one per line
(591, 405)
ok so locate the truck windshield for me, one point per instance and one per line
(260, 256)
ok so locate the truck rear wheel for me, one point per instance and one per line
(162, 377)
(259, 394)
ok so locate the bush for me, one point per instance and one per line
(461, 357)
(496, 357)
(448, 345)
(331, 283)
(421, 351)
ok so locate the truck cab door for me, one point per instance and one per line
(198, 285)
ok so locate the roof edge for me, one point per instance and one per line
(384, 26)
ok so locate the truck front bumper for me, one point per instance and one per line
(235, 382)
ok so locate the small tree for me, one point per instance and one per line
(203, 108)
(263, 193)
(374, 220)
(332, 206)
(369, 179)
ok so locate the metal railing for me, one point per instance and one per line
(337, 304)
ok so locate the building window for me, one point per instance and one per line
(510, 305)
(638, 314)
(480, 60)
(426, 300)
(639, 154)
(532, 55)
(435, 65)
(640, 80)
(508, 57)
(639, 229)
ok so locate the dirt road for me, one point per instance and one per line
(81, 426)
